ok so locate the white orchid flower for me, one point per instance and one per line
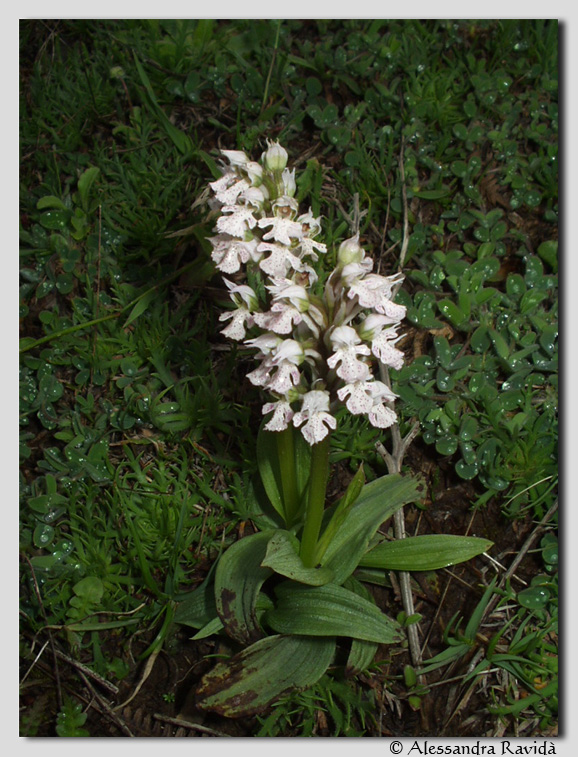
(282, 415)
(339, 333)
(289, 184)
(239, 318)
(359, 400)
(230, 254)
(279, 261)
(381, 331)
(315, 415)
(238, 223)
(283, 230)
(280, 319)
(381, 415)
(236, 157)
(347, 345)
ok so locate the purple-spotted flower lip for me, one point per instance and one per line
(314, 416)
(282, 415)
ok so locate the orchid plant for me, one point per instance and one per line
(320, 340)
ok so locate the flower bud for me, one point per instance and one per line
(350, 251)
(276, 157)
(289, 184)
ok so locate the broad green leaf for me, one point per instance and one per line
(55, 219)
(361, 655)
(530, 300)
(330, 610)
(468, 428)
(362, 652)
(252, 679)
(198, 607)
(378, 501)
(90, 589)
(428, 552)
(342, 508)
(283, 557)
(238, 580)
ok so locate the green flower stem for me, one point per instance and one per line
(286, 452)
(315, 501)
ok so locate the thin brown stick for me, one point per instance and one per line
(187, 724)
(394, 459)
(520, 556)
(110, 687)
(117, 720)
(405, 244)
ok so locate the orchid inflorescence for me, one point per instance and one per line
(316, 345)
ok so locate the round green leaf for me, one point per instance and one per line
(466, 471)
(460, 131)
(447, 445)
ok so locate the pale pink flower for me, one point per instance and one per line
(380, 415)
(279, 261)
(240, 220)
(282, 415)
(229, 194)
(315, 414)
(359, 400)
(381, 331)
(289, 350)
(347, 345)
(230, 253)
(287, 289)
(254, 196)
(282, 229)
(261, 375)
(239, 318)
(280, 319)
(266, 343)
(254, 171)
(308, 247)
(285, 378)
(311, 225)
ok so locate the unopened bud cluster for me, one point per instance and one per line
(316, 345)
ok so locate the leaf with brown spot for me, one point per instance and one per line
(247, 683)
(238, 581)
